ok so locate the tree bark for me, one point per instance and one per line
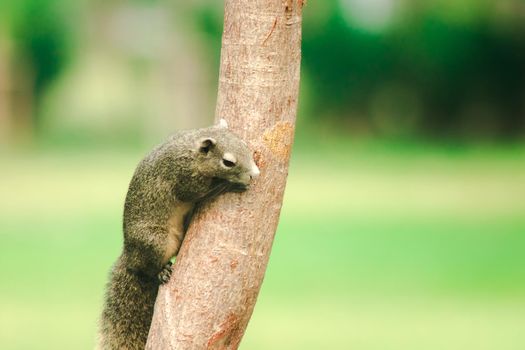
(218, 273)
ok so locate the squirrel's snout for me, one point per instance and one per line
(255, 172)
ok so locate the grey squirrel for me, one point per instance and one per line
(190, 167)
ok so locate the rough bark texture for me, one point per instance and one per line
(218, 273)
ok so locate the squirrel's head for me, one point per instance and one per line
(225, 156)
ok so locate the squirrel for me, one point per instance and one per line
(190, 167)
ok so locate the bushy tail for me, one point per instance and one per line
(128, 309)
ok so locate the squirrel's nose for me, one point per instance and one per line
(255, 172)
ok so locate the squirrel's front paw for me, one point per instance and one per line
(165, 274)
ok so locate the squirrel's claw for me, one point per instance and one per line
(165, 274)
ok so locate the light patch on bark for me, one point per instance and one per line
(279, 139)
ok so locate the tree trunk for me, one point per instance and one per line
(218, 273)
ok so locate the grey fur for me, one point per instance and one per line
(180, 173)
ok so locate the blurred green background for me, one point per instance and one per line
(403, 225)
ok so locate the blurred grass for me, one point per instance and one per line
(377, 249)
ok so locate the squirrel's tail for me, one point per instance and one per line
(128, 310)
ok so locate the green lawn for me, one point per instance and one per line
(375, 250)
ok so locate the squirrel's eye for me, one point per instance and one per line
(228, 163)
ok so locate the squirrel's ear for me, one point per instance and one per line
(206, 144)
(222, 124)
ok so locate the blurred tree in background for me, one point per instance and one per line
(387, 68)
(42, 36)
